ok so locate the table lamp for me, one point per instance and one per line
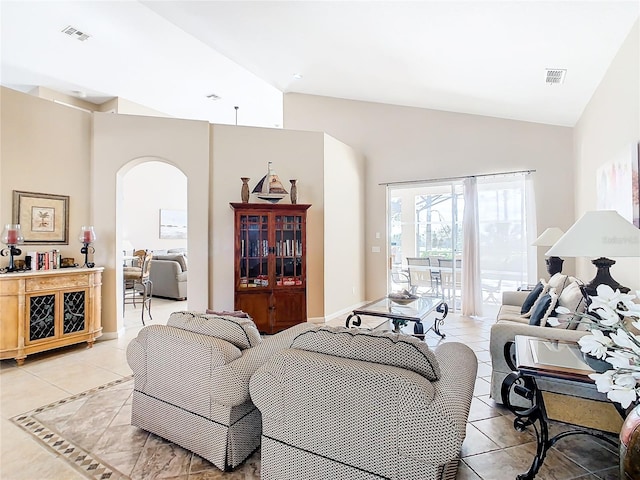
(548, 239)
(601, 234)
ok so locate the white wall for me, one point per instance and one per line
(609, 129)
(121, 142)
(146, 189)
(404, 143)
(344, 212)
(245, 152)
(44, 148)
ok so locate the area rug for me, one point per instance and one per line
(92, 431)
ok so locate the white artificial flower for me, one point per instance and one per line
(618, 359)
(553, 321)
(620, 346)
(606, 296)
(604, 381)
(624, 396)
(595, 344)
(621, 339)
(609, 317)
(562, 310)
(634, 310)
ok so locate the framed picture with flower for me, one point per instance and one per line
(43, 217)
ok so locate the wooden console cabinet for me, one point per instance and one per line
(270, 264)
(49, 309)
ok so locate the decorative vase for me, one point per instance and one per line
(294, 192)
(630, 446)
(244, 193)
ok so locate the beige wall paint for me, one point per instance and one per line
(404, 143)
(344, 213)
(609, 129)
(121, 142)
(44, 148)
(245, 152)
(146, 189)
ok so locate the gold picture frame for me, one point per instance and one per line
(43, 217)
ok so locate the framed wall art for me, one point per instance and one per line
(618, 187)
(173, 224)
(43, 217)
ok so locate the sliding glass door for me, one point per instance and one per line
(426, 237)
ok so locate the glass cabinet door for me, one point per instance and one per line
(254, 251)
(288, 250)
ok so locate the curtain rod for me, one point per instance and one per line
(408, 182)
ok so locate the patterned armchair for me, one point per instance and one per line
(352, 404)
(192, 382)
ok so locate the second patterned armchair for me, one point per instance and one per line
(345, 403)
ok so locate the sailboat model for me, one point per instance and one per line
(269, 187)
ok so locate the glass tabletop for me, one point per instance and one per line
(550, 356)
(410, 309)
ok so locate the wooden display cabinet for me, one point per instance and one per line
(49, 309)
(270, 264)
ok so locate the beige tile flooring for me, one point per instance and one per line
(492, 449)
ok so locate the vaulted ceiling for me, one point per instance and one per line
(478, 57)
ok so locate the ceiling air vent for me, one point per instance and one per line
(74, 32)
(555, 75)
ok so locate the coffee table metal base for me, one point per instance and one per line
(399, 320)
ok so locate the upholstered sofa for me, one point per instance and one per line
(515, 318)
(169, 275)
(348, 403)
(192, 382)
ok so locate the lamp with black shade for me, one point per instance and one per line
(87, 237)
(11, 236)
(548, 238)
(600, 234)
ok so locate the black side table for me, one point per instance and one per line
(527, 366)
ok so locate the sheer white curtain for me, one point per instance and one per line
(532, 230)
(471, 286)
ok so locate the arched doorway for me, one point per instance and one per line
(151, 215)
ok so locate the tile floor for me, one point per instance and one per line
(492, 449)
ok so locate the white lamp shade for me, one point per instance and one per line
(601, 233)
(549, 237)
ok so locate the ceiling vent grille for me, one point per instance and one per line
(555, 76)
(74, 32)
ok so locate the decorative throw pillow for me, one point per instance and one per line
(543, 308)
(545, 289)
(241, 332)
(385, 348)
(571, 298)
(528, 303)
(559, 282)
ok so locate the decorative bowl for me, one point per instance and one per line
(402, 300)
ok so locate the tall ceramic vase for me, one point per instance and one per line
(630, 446)
(294, 192)
(244, 192)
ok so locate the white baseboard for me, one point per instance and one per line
(344, 311)
(112, 335)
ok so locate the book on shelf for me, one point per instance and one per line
(49, 260)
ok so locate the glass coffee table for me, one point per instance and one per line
(400, 312)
